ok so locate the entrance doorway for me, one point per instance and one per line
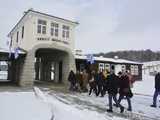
(49, 65)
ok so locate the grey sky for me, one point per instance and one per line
(105, 25)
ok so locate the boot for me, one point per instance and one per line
(121, 109)
(153, 106)
(109, 110)
(129, 109)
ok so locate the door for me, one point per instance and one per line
(60, 72)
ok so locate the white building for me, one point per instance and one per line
(151, 67)
(50, 40)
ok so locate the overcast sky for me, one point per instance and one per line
(105, 25)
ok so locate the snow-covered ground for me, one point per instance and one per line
(25, 106)
(76, 106)
(146, 86)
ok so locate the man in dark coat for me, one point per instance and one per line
(112, 91)
(157, 89)
(124, 89)
(99, 82)
(72, 80)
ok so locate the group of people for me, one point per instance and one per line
(100, 82)
(78, 81)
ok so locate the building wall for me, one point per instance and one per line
(117, 67)
(31, 36)
(32, 41)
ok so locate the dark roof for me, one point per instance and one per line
(31, 10)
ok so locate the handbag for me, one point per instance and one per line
(130, 94)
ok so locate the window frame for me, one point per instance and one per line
(101, 66)
(65, 31)
(54, 31)
(22, 32)
(134, 69)
(17, 37)
(41, 26)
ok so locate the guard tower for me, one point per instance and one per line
(49, 45)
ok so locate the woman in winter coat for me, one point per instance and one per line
(124, 89)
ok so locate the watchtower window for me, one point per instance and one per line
(65, 32)
(54, 29)
(17, 37)
(42, 26)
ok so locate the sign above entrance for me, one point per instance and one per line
(53, 39)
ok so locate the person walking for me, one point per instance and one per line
(85, 81)
(112, 91)
(157, 90)
(130, 77)
(124, 89)
(79, 80)
(72, 80)
(92, 83)
(105, 78)
(99, 83)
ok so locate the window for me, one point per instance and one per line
(101, 66)
(11, 41)
(134, 70)
(44, 29)
(65, 32)
(42, 26)
(54, 29)
(123, 68)
(22, 31)
(17, 37)
(82, 67)
(107, 67)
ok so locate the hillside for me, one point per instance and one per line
(134, 55)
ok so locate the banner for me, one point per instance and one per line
(90, 59)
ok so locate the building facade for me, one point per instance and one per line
(49, 45)
(46, 44)
(151, 67)
(106, 64)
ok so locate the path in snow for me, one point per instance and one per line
(83, 101)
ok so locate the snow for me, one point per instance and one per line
(144, 87)
(38, 105)
(83, 57)
(22, 106)
(25, 106)
(76, 106)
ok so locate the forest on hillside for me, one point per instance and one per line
(134, 55)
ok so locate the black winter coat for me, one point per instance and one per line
(99, 79)
(157, 81)
(72, 78)
(112, 84)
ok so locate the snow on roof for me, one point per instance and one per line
(5, 50)
(150, 63)
(83, 57)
